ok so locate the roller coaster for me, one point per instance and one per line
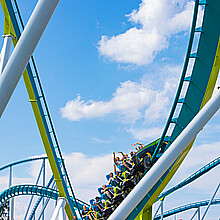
(194, 92)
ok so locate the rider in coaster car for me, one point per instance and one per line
(117, 199)
(122, 166)
(97, 207)
(108, 190)
(91, 214)
(112, 180)
(147, 161)
(140, 146)
(98, 203)
(107, 206)
(117, 173)
(126, 161)
(93, 205)
(84, 212)
(138, 165)
(127, 184)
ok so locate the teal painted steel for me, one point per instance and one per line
(200, 75)
(22, 161)
(187, 207)
(181, 79)
(39, 200)
(44, 111)
(192, 177)
(198, 80)
(21, 190)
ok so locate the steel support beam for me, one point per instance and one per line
(24, 49)
(5, 51)
(167, 159)
(210, 202)
(60, 207)
(11, 203)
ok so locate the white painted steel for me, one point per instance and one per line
(158, 208)
(60, 206)
(210, 202)
(198, 213)
(5, 51)
(11, 201)
(62, 214)
(24, 49)
(167, 159)
(161, 210)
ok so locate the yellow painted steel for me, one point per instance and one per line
(146, 213)
(207, 96)
(9, 29)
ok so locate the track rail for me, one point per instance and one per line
(200, 81)
(191, 178)
(187, 207)
(22, 190)
(21, 162)
(14, 26)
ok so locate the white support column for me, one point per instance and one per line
(167, 159)
(62, 214)
(194, 214)
(5, 51)
(161, 209)
(60, 206)
(11, 202)
(210, 202)
(198, 213)
(158, 208)
(24, 49)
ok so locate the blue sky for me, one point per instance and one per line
(109, 70)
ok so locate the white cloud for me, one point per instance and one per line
(197, 158)
(202, 188)
(144, 134)
(158, 20)
(88, 173)
(131, 101)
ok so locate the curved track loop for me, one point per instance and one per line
(41, 111)
(22, 161)
(200, 81)
(187, 207)
(31, 190)
(22, 190)
(34, 209)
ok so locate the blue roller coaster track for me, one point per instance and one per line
(187, 207)
(191, 178)
(47, 192)
(200, 84)
(22, 190)
(199, 81)
(32, 190)
(21, 162)
(43, 119)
